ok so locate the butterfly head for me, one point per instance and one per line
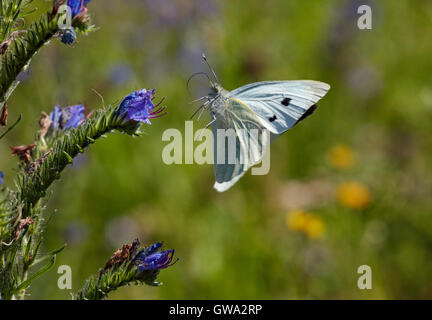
(216, 90)
(216, 95)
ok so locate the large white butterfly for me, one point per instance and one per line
(246, 112)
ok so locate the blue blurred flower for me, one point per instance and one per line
(150, 259)
(180, 13)
(69, 117)
(120, 74)
(138, 106)
(76, 232)
(1, 177)
(68, 36)
(77, 6)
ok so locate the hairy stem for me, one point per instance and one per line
(21, 293)
(19, 55)
(33, 186)
(111, 280)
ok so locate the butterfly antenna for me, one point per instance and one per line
(194, 75)
(208, 64)
(100, 96)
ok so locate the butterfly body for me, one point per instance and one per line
(218, 96)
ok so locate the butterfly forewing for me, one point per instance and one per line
(279, 105)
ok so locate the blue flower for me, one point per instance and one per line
(150, 259)
(77, 6)
(69, 117)
(153, 248)
(138, 106)
(1, 177)
(68, 36)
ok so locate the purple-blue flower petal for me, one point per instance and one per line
(55, 117)
(69, 117)
(77, 6)
(68, 36)
(1, 177)
(153, 248)
(150, 259)
(76, 116)
(157, 261)
(138, 106)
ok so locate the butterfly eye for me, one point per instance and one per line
(286, 101)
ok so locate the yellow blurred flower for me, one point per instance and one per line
(341, 157)
(354, 195)
(308, 223)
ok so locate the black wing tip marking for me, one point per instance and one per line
(286, 101)
(307, 113)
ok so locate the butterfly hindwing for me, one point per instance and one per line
(279, 105)
(240, 124)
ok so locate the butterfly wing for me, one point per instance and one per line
(239, 124)
(281, 104)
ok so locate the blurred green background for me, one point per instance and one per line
(349, 186)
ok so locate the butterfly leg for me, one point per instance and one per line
(212, 121)
(199, 99)
(202, 108)
(208, 125)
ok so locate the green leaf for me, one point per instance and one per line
(70, 159)
(11, 127)
(49, 255)
(36, 275)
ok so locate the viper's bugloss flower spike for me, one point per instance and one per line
(132, 264)
(154, 260)
(21, 213)
(138, 106)
(68, 117)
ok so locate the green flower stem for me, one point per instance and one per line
(112, 279)
(2, 135)
(21, 293)
(18, 56)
